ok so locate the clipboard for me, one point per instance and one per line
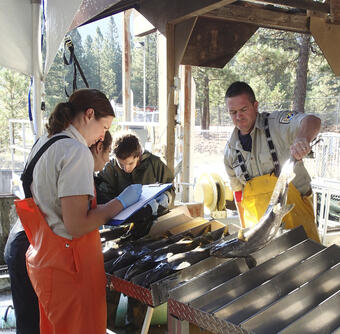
(149, 192)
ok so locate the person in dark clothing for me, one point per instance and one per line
(132, 165)
(25, 301)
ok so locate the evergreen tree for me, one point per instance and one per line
(13, 102)
(55, 84)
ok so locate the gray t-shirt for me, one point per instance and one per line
(64, 169)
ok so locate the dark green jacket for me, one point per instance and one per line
(112, 180)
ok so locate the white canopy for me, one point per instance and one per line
(20, 26)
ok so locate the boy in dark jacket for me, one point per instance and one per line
(132, 165)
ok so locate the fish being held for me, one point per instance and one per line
(250, 240)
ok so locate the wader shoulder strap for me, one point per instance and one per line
(271, 147)
(271, 150)
(242, 165)
(27, 175)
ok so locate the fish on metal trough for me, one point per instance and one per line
(151, 260)
(180, 261)
(184, 245)
(175, 263)
(250, 240)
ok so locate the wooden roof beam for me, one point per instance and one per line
(161, 12)
(197, 8)
(335, 11)
(262, 18)
(321, 7)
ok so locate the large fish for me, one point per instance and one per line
(114, 232)
(180, 261)
(186, 244)
(250, 240)
(150, 260)
(175, 263)
(135, 250)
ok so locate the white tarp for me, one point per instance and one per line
(59, 16)
(16, 35)
(16, 31)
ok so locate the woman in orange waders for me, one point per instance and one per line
(64, 261)
(24, 298)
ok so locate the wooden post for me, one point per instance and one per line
(126, 66)
(162, 95)
(172, 108)
(188, 125)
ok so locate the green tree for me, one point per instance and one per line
(91, 65)
(148, 45)
(55, 83)
(13, 102)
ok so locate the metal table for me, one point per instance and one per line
(295, 288)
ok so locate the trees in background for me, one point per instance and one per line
(286, 71)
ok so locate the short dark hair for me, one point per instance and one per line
(127, 145)
(238, 88)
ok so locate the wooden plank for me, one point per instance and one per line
(322, 7)
(160, 12)
(171, 73)
(327, 36)
(335, 11)
(214, 42)
(188, 126)
(183, 32)
(262, 18)
(160, 132)
(126, 66)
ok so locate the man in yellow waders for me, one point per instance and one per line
(258, 148)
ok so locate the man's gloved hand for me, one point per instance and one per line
(130, 195)
(154, 206)
(163, 200)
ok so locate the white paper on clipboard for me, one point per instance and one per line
(149, 192)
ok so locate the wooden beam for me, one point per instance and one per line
(299, 4)
(262, 18)
(335, 11)
(189, 111)
(192, 9)
(126, 66)
(183, 32)
(327, 36)
(172, 108)
(214, 42)
(161, 12)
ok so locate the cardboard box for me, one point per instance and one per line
(179, 220)
(195, 209)
(176, 216)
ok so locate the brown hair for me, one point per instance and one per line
(81, 100)
(127, 145)
(107, 142)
